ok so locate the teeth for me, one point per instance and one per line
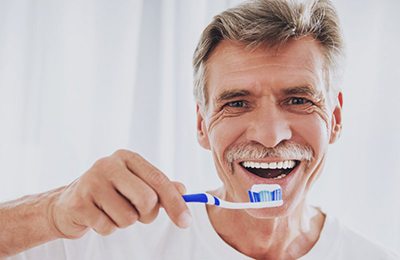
(285, 164)
(291, 164)
(279, 165)
(272, 165)
(280, 176)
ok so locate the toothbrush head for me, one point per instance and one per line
(265, 193)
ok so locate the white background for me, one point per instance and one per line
(80, 79)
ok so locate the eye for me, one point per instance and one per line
(299, 101)
(237, 104)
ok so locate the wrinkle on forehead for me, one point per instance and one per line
(232, 64)
(305, 54)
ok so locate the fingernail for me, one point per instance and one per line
(185, 219)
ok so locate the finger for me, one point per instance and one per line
(168, 194)
(96, 219)
(151, 216)
(140, 195)
(117, 207)
(180, 187)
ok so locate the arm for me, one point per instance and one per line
(25, 223)
(114, 193)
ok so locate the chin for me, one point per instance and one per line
(293, 204)
(271, 213)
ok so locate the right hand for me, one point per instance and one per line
(116, 192)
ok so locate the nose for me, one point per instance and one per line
(269, 127)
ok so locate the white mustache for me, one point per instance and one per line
(254, 151)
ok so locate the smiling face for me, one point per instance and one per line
(268, 119)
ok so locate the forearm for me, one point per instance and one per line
(26, 222)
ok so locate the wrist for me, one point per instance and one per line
(51, 201)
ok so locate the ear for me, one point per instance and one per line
(202, 134)
(337, 119)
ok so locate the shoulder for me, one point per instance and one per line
(358, 244)
(338, 241)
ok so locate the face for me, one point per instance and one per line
(268, 119)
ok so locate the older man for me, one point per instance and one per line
(268, 106)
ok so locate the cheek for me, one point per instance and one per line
(224, 133)
(322, 113)
(313, 129)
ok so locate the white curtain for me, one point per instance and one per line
(80, 79)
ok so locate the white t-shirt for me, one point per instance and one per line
(163, 240)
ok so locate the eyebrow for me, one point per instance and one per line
(231, 94)
(235, 93)
(301, 90)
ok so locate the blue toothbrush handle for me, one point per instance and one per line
(202, 198)
(198, 197)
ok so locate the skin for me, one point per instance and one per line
(268, 96)
(115, 192)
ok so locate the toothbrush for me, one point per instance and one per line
(261, 196)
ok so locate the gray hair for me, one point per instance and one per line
(272, 23)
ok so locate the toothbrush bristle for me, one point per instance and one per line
(265, 193)
(266, 196)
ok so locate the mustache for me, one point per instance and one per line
(256, 151)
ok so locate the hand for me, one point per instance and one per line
(116, 192)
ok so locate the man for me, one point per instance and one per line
(268, 105)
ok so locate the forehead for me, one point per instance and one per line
(232, 65)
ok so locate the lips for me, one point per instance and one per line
(270, 170)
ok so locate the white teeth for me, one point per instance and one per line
(272, 165)
(280, 176)
(264, 165)
(285, 164)
(279, 165)
(291, 164)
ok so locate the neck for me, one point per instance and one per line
(286, 237)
